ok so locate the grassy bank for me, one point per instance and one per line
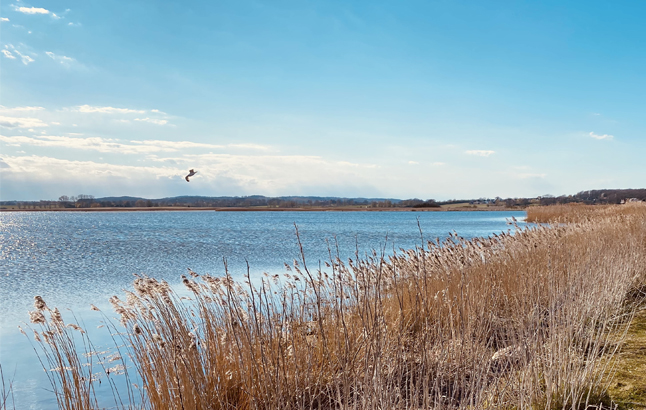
(627, 384)
(527, 320)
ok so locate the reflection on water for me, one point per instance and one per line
(74, 259)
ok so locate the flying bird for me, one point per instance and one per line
(190, 174)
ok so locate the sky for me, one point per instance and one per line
(410, 99)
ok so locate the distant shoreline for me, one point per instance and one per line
(263, 209)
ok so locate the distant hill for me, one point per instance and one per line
(188, 199)
(598, 196)
(119, 198)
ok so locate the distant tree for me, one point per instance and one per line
(427, 204)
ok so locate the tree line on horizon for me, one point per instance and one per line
(602, 196)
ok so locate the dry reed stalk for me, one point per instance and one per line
(6, 392)
(513, 321)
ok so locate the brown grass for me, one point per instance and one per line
(579, 212)
(627, 386)
(514, 321)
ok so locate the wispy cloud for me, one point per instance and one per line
(152, 121)
(175, 145)
(105, 145)
(98, 144)
(31, 10)
(26, 59)
(4, 19)
(48, 168)
(10, 49)
(601, 137)
(63, 60)
(8, 54)
(180, 145)
(19, 109)
(243, 173)
(413, 162)
(479, 152)
(21, 122)
(106, 110)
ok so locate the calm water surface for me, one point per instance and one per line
(73, 259)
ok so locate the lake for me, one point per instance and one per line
(73, 259)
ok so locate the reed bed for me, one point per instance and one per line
(579, 212)
(519, 320)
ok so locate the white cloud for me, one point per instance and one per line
(47, 169)
(273, 174)
(31, 10)
(63, 60)
(19, 109)
(105, 144)
(4, 19)
(21, 122)
(601, 137)
(26, 59)
(179, 145)
(74, 24)
(106, 110)
(171, 146)
(479, 152)
(90, 143)
(152, 121)
(55, 16)
(413, 162)
(264, 174)
(8, 54)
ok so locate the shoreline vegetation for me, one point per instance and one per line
(318, 203)
(458, 207)
(535, 319)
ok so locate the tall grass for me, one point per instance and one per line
(579, 212)
(517, 320)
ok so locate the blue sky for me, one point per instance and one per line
(428, 99)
